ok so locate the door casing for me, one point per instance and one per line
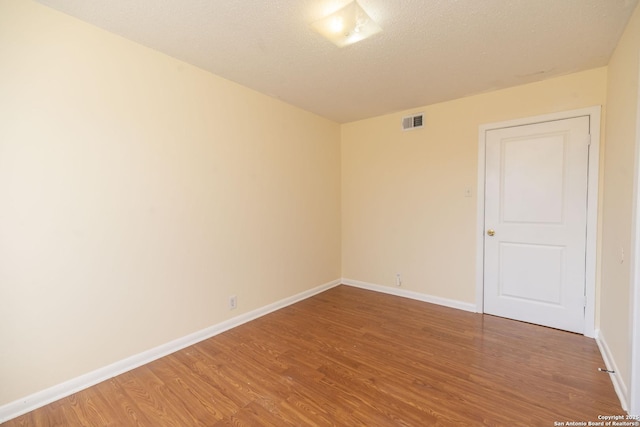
(592, 204)
(634, 392)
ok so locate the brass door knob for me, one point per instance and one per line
(491, 232)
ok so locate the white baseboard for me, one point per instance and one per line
(67, 388)
(460, 305)
(610, 363)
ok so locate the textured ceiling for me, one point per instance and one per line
(429, 51)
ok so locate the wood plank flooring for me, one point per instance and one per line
(351, 357)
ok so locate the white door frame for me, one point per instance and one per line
(634, 317)
(592, 204)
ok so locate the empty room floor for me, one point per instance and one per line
(353, 357)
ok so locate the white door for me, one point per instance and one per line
(535, 222)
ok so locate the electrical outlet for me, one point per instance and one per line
(233, 302)
(398, 279)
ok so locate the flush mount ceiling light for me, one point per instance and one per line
(347, 25)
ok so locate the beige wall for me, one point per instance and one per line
(621, 118)
(138, 193)
(404, 208)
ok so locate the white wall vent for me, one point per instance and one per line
(413, 122)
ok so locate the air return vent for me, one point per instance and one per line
(413, 122)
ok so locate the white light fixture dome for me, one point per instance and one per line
(346, 26)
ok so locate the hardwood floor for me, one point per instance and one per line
(352, 357)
